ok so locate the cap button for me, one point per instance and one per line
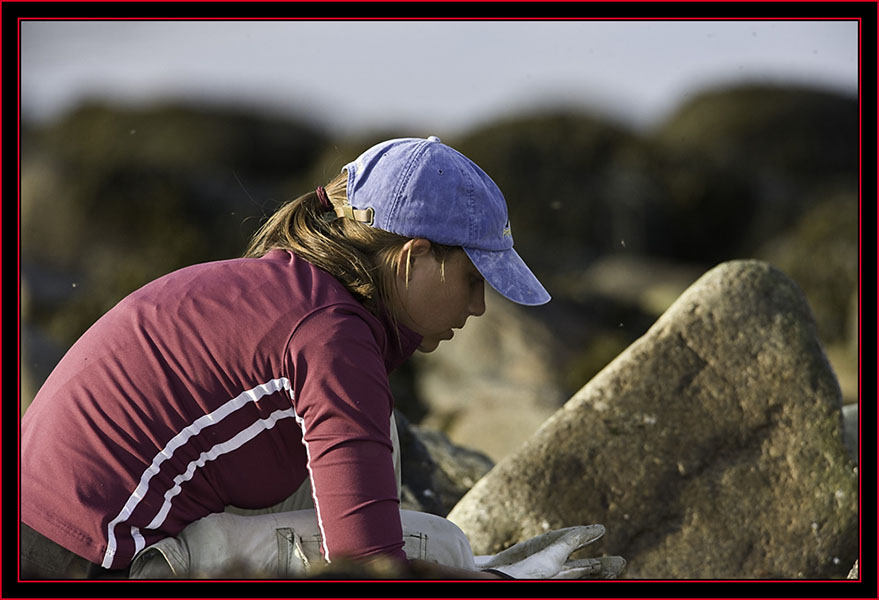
(433, 138)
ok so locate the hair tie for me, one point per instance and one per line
(324, 199)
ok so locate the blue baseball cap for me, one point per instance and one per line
(422, 188)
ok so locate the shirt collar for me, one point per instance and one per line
(402, 343)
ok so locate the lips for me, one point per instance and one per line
(451, 332)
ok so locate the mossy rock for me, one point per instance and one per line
(796, 131)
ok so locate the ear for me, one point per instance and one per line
(409, 254)
(416, 247)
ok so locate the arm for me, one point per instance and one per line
(343, 402)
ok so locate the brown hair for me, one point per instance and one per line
(363, 258)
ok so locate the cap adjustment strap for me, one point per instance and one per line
(349, 212)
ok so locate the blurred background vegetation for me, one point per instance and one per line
(616, 222)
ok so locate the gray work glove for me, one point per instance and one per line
(547, 557)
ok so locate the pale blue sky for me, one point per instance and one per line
(442, 76)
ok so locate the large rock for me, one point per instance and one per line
(711, 448)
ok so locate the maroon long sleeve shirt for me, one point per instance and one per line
(222, 383)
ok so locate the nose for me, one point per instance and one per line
(477, 301)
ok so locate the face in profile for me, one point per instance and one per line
(440, 295)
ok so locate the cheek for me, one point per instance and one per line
(437, 318)
(426, 308)
(437, 312)
(435, 306)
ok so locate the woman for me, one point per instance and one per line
(236, 383)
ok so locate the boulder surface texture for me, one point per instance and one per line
(710, 448)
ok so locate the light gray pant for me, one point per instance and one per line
(285, 541)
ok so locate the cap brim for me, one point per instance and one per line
(507, 273)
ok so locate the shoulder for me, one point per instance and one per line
(279, 280)
(345, 322)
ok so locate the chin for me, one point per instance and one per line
(428, 345)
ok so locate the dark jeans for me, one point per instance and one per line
(41, 558)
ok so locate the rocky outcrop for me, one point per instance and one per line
(711, 448)
(458, 468)
(435, 473)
